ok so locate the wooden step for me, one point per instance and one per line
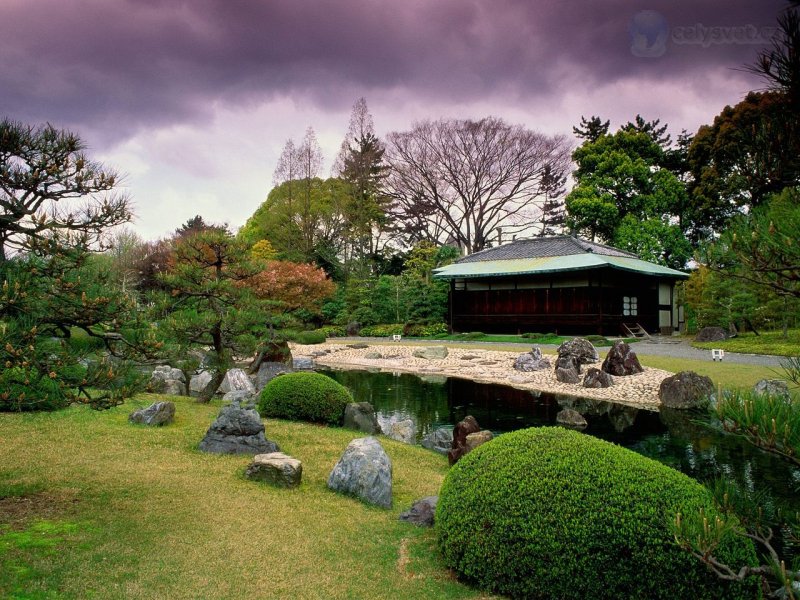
(636, 330)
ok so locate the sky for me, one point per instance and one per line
(193, 100)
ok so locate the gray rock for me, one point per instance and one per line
(203, 358)
(439, 440)
(364, 471)
(358, 346)
(199, 382)
(167, 380)
(476, 439)
(711, 334)
(303, 363)
(361, 417)
(267, 371)
(236, 379)
(173, 387)
(158, 413)
(165, 372)
(372, 355)
(531, 361)
(276, 468)
(403, 431)
(422, 512)
(595, 378)
(431, 352)
(237, 431)
(469, 356)
(772, 387)
(568, 369)
(579, 348)
(621, 360)
(686, 390)
(571, 418)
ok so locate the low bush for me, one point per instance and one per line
(552, 513)
(598, 340)
(431, 330)
(382, 330)
(332, 331)
(305, 397)
(542, 337)
(310, 337)
(472, 335)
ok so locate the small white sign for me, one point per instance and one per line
(717, 354)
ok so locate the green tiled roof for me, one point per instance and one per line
(553, 264)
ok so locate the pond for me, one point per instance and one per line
(673, 437)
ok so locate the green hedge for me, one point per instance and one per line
(381, 330)
(430, 330)
(305, 397)
(552, 513)
(310, 337)
(332, 331)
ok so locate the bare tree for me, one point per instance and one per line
(458, 181)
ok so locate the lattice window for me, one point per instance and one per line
(630, 306)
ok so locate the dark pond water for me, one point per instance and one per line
(670, 437)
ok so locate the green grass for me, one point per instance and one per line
(723, 374)
(768, 342)
(136, 512)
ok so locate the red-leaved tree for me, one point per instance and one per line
(295, 285)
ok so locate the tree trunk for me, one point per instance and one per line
(211, 387)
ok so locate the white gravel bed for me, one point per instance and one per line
(486, 366)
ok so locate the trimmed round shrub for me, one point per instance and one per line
(553, 513)
(305, 397)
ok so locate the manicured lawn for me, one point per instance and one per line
(768, 342)
(91, 506)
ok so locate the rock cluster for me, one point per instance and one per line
(621, 360)
(364, 471)
(167, 380)
(431, 352)
(531, 361)
(467, 435)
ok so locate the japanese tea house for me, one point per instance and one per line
(560, 284)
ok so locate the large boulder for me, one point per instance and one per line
(364, 471)
(460, 432)
(157, 414)
(571, 418)
(579, 348)
(439, 440)
(237, 430)
(431, 352)
(361, 417)
(403, 431)
(568, 369)
(531, 361)
(167, 380)
(199, 381)
(595, 378)
(621, 360)
(421, 512)
(772, 387)
(686, 390)
(276, 468)
(267, 371)
(711, 334)
(236, 379)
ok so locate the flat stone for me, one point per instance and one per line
(372, 355)
(276, 468)
(476, 439)
(431, 352)
(364, 471)
(358, 346)
(422, 512)
(155, 415)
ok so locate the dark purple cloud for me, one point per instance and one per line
(123, 65)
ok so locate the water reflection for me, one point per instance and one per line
(675, 438)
